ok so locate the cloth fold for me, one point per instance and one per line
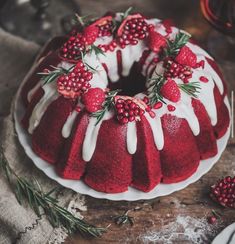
(16, 57)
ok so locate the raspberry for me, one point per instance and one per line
(71, 85)
(186, 57)
(90, 34)
(128, 110)
(223, 192)
(132, 29)
(171, 91)
(156, 41)
(93, 99)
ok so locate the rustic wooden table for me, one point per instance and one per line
(180, 217)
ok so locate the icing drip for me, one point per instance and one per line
(206, 95)
(67, 128)
(111, 61)
(32, 91)
(50, 94)
(91, 136)
(131, 55)
(131, 137)
(156, 127)
(215, 77)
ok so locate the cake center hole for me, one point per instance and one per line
(130, 85)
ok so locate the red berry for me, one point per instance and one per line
(171, 91)
(157, 105)
(128, 110)
(171, 108)
(105, 26)
(223, 192)
(71, 50)
(133, 28)
(212, 220)
(186, 57)
(90, 34)
(174, 70)
(167, 23)
(74, 83)
(156, 41)
(93, 99)
(203, 79)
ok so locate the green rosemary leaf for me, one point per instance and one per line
(37, 200)
(97, 50)
(173, 47)
(127, 12)
(154, 89)
(191, 88)
(18, 193)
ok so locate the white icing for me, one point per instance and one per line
(110, 59)
(156, 126)
(67, 128)
(131, 55)
(33, 90)
(91, 136)
(131, 137)
(50, 94)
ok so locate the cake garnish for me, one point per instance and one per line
(176, 70)
(186, 57)
(170, 90)
(133, 28)
(156, 41)
(72, 82)
(160, 87)
(107, 105)
(93, 99)
(128, 109)
(223, 192)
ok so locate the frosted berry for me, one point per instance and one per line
(127, 110)
(171, 91)
(186, 57)
(133, 28)
(71, 50)
(93, 99)
(74, 83)
(223, 192)
(156, 41)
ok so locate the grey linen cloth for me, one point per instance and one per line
(16, 57)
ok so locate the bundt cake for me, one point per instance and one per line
(125, 100)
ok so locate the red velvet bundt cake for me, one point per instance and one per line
(125, 101)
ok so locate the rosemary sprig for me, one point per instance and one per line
(173, 47)
(107, 105)
(123, 219)
(126, 13)
(191, 88)
(52, 75)
(154, 89)
(45, 203)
